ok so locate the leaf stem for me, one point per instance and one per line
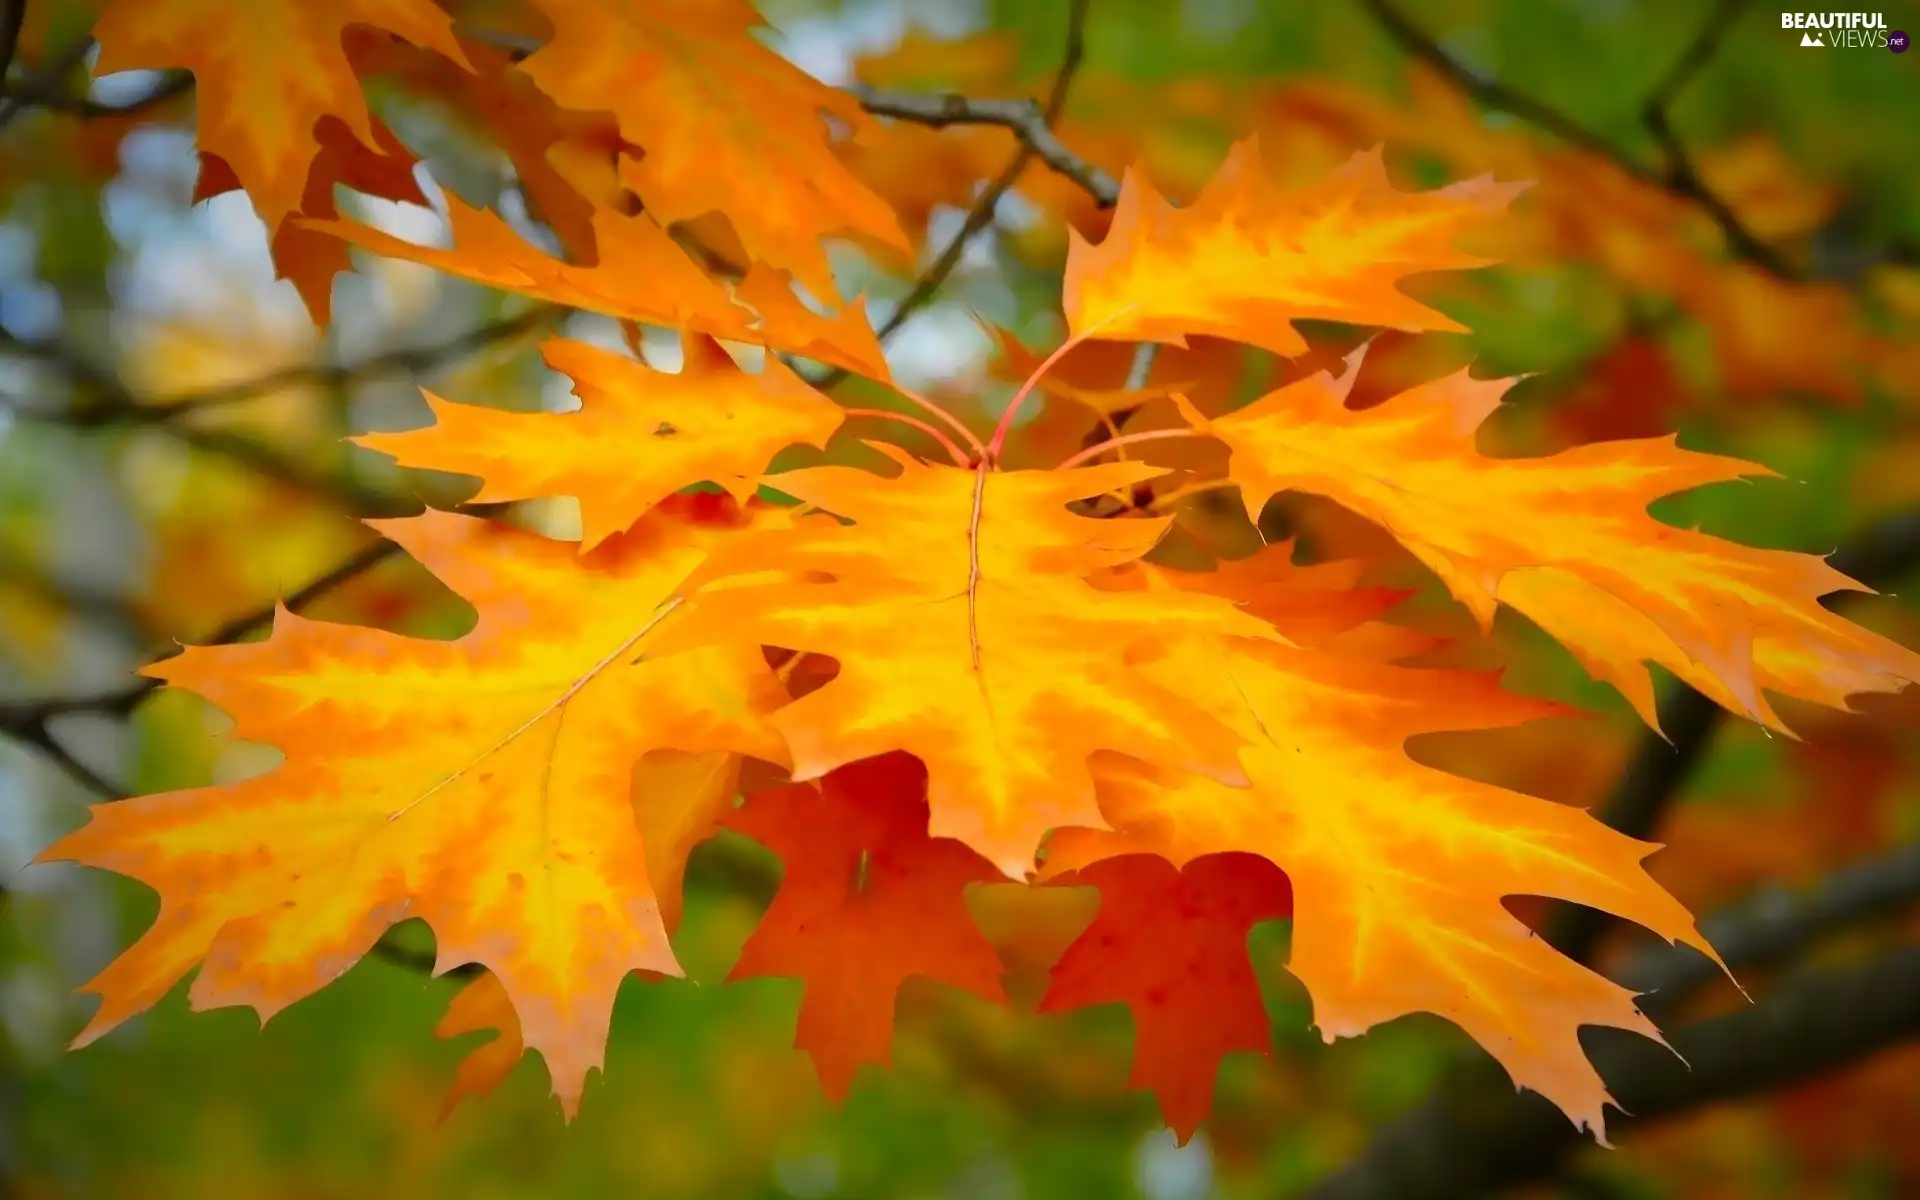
(946, 443)
(1005, 426)
(954, 423)
(1151, 435)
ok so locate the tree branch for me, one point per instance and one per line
(981, 214)
(1774, 924)
(119, 406)
(13, 15)
(1026, 118)
(1678, 179)
(1477, 1135)
(37, 87)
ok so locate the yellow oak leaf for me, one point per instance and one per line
(1566, 539)
(481, 784)
(1246, 259)
(708, 422)
(265, 71)
(1398, 869)
(967, 635)
(727, 124)
(640, 275)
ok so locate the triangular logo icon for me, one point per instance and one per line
(1811, 39)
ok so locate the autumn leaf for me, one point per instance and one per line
(1171, 944)
(708, 422)
(640, 275)
(967, 636)
(1309, 604)
(1398, 869)
(480, 1007)
(724, 122)
(265, 73)
(1567, 540)
(487, 789)
(306, 258)
(867, 900)
(563, 160)
(1245, 260)
(679, 801)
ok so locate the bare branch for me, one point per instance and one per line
(1476, 1135)
(981, 215)
(1026, 118)
(44, 83)
(1678, 178)
(1775, 924)
(117, 405)
(13, 15)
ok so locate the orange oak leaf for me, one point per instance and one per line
(640, 275)
(1170, 943)
(967, 635)
(1309, 605)
(562, 160)
(483, 787)
(482, 1006)
(708, 422)
(1567, 540)
(867, 900)
(265, 72)
(304, 257)
(727, 125)
(1398, 870)
(1245, 259)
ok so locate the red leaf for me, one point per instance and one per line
(1171, 945)
(868, 899)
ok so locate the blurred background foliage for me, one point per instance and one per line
(1724, 241)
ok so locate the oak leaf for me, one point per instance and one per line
(481, 1006)
(1566, 539)
(1245, 260)
(709, 422)
(867, 900)
(265, 73)
(967, 635)
(1398, 870)
(302, 256)
(562, 160)
(486, 790)
(640, 274)
(1171, 943)
(723, 120)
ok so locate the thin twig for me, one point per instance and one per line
(13, 15)
(45, 82)
(1025, 118)
(1681, 178)
(121, 407)
(981, 214)
(1678, 178)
